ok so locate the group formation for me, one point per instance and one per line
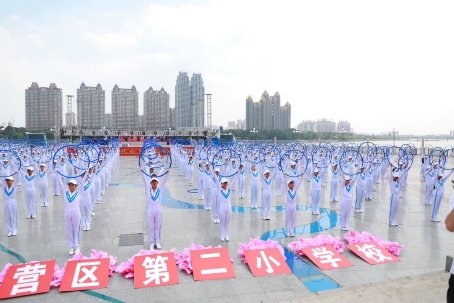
(354, 168)
(81, 173)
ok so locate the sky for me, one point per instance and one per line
(381, 65)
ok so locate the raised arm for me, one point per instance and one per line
(163, 181)
(298, 182)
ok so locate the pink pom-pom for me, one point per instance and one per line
(255, 244)
(355, 237)
(101, 254)
(320, 240)
(3, 272)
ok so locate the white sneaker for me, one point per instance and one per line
(88, 228)
(202, 198)
(292, 234)
(33, 217)
(435, 219)
(9, 234)
(222, 239)
(92, 213)
(268, 218)
(357, 211)
(71, 251)
(14, 232)
(209, 208)
(360, 210)
(77, 250)
(151, 246)
(84, 229)
(158, 245)
(218, 220)
(227, 239)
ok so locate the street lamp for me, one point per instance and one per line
(254, 131)
(394, 132)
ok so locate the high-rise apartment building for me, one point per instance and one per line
(189, 101)
(182, 101)
(241, 124)
(43, 107)
(267, 113)
(325, 126)
(197, 101)
(307, 126)
(156, 109)
(253, 114)
(285, 116)
(344, 126)
(125, 107)
(91, 106)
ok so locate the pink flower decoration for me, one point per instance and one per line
(355, 237)
(184, 260)
(320, 240)
(3, 272)
(127, 268)
(255, 244)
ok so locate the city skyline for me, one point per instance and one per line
(378, 82)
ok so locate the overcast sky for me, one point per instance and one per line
(379, 64)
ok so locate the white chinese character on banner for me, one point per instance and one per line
(266, 260)
(371, 252)
(88, 268)
(214, 270)
(156, 269)
(325, 255)
(27, 278)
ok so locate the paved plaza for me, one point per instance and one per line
(418, 277)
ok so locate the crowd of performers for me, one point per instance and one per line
(354, 183)
(81, 190)
(351, 180)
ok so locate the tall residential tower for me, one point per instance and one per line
(125, 107)
(189, 101)
(43, 107)
(156, 109)
(91, 106)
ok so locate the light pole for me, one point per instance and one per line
(254, 131)
(394, 132)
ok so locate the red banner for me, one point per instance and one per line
(373, 253)
(266, 262)
(155, 270)
(85, 274)
(211, 264)
(326, 257)
(27, 279)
